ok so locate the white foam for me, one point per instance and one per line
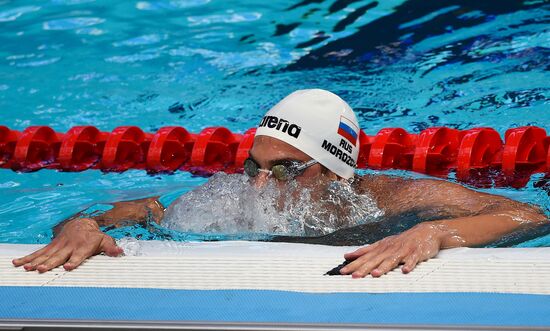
(229, 204)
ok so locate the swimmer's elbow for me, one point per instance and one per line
(539, 218)
(528, 215)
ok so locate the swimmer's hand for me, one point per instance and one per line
(78, 240)
(409, 248)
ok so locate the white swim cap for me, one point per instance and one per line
(318, 123)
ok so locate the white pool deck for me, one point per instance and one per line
(275, 286)
(287, 267)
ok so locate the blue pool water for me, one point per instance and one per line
(199, 63)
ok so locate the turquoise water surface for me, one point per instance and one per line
(199, 63)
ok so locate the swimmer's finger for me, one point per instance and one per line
(387, 265)
(76, 259)
(359, 252)
(379, 261)
(354, 265)
(55, 261)
(28, 258)
(366, 268)
(31, 266)
(363, 265)
(411, 262)
(367, 258)
(109, 247)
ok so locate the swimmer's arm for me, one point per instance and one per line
(475, 219)
(80, 237)
(483, 229)
(123, 213)
(479, 218)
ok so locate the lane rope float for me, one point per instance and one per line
(472, 154)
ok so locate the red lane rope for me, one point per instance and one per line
(472, 153)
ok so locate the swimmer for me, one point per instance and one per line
(311, 138)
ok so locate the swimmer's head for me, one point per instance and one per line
(318, 123)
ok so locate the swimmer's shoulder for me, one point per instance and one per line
(380, 184)
(383, 189)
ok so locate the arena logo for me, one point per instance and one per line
(340, 154)
(282, 125)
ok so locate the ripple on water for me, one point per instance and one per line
(15, 13)
(174, 4)
(90, 31)
(141, 40)
(17, 207)
(229, 18)
(266, 54)
(9, 184)
(71, 23)
(70, 2)
(38, 63)
(20, 56)
(133, 58)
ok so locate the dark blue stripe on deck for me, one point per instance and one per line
(273, 306)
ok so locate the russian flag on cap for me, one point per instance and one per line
(348, 130)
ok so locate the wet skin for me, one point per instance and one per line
(456, 217)
(78, 238)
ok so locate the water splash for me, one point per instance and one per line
(229, 204)
(131, 246)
